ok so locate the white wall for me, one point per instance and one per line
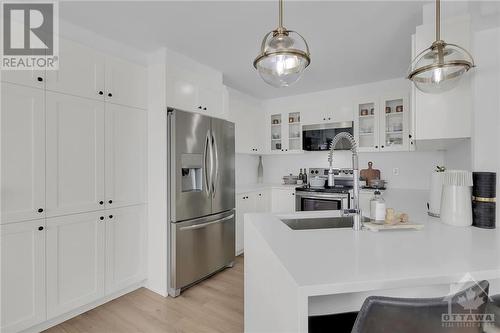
(459, 156)
(414, 167)
(246, 169)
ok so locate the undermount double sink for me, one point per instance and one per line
(320, 222)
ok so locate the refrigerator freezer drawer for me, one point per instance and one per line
(202, 247)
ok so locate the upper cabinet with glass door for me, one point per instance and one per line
(382, 124)
(285, 135)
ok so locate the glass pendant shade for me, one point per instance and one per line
(440, 67)
(283, 58)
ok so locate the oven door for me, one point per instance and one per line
(321, 201)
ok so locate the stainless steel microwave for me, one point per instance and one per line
(318, 137)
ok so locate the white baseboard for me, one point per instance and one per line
(68, 315)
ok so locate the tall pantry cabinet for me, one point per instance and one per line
(73, 185)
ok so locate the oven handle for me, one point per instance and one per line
(322, 196)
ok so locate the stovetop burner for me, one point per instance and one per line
(327, 189)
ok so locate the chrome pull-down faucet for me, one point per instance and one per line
(355, 212)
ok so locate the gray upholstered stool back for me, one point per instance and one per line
(420, 315)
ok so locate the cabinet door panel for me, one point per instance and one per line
(23, 153)
(125, 247)
(75, 154)
(125, 155)
(30, 78)
(22, 275)
(283, 200)
(81, 71)
(126, 83)
(75, 261)
(182, 93)
(263, 201)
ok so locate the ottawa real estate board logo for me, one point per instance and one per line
(29, 35)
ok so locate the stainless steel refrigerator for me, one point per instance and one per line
(201, 199)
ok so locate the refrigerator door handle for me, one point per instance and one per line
(203, 225)
(206, 173)
(216, 154)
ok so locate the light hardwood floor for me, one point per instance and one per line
(214, 305)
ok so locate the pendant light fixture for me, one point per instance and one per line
(283, 57)
(440, 67)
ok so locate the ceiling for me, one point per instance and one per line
(351, 42)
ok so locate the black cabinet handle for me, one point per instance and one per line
(286, 149)
(205, 109)
(110, 216)
(110, 95)
(110, 201)
(409, 135)
(329, 118)
(101, 218)
(293, 193)
(101, 92)
(40, 228)
(381, 146)
(39, 79)
(376, 146)
(199, 107)
(324, 118)
(40, 210)
(101, 202)
(260, 194)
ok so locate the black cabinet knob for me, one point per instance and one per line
(409, 135)
(101, 92)
(293, 193)
(205, 108)
(39, 79)
(110, 216)
(286, 149)
(381, 146)
(199, 107)
(101, 202)
(324, 118)
(260, 194)
(110, 95)
(40, 228)
(329, 118)
(101, 218)
(110, 201)
(376, 146)
(40, 210)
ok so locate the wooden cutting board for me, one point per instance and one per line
(369, 174)
(399, 226)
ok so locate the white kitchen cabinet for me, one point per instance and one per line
(30, 78)
(75, 261)
(22, 275)
(262, 201)
(125, 155)
(283, 200)
(74, 154)
(23, 153)
(245, 203)
(285, 132)
(382, 123)
(125, 247)
(248, 117)
(126, 83)
(441, 118)
(80, 73)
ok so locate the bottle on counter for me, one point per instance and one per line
(301, 176)
(304, 176)
(377, 208)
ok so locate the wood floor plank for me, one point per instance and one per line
(213, 306)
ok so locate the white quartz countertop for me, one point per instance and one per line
(330, 261)
(260, 187)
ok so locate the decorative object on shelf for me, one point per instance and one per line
(484, 199)
(278, 146)
(290, 179)
(399, 108)
(434, 204)
(291, 119)
(364, 112)
(284, 55)
(276, 122)
(440, 67)
(275, 136)
(388, 109)
(456, 203)
(260, 171)
(372, 111)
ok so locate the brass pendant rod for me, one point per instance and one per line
(280, 13)
(438, 20)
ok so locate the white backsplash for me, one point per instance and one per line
(414, 167)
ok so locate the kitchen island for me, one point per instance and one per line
(293, 274)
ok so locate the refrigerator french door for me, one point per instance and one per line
(200, 197)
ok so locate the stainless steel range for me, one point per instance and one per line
(338, 197)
